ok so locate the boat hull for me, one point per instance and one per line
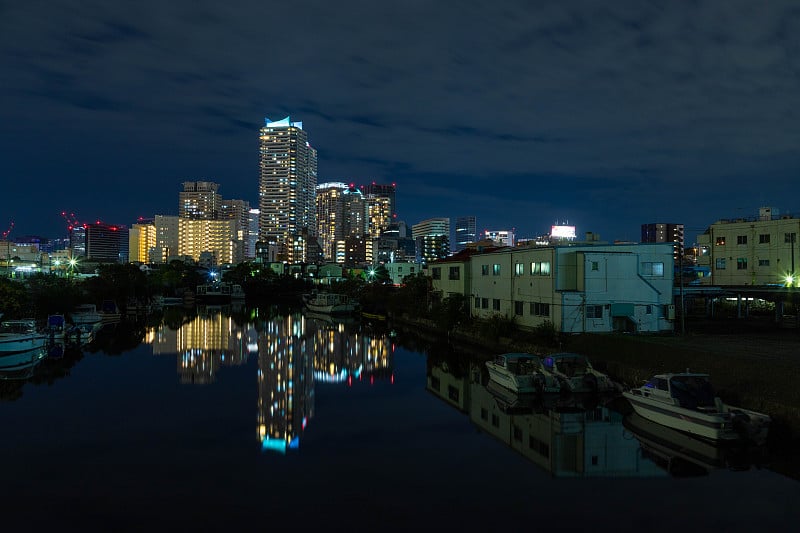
(11, 362)
(11, 344)
(712, 426)
(512, 382)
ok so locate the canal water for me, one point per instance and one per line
(270, 419)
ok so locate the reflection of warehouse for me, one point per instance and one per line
(203, 346)
(285, 383)
(570, 442)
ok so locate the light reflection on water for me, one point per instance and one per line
(294, 352)
(273, 414)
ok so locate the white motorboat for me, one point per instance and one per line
(331, 303)
(20, 336)
(576, 374)
(687, 402)
(85, 314)
(521, 373)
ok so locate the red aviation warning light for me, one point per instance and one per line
(7, 232)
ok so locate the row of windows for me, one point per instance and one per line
(741, 263)
(763, 238)
(541, 268)
(534, 308)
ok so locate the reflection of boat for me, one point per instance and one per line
(85, 314)
(575, 373)
(331, 319)
(20, 336)
(521, 372)
(677, 452)
(509, 401)
(20, 365)
(687, 402)
(331, 303)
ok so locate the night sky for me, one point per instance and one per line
(605, 114)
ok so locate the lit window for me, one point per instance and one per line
(720, 241)
(496, 269)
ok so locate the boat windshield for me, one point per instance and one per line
(692, 391)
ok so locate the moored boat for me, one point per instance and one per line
(687, 402)
(85, 314)
(220, 292)
(330, 303)
(521, 373)
(20, 336)
(20, 365)
(576, 374)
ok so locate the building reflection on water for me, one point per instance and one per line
(577, 436)
(203, 345)
(294, 352)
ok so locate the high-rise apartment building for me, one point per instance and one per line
(142, 241)
(287, 185)
(432, 238)
(381, 208)
(466, 232)
(238, 210)
(166, 239)
(341, 213)
(664, 232)
(199, 200)
(217, 237)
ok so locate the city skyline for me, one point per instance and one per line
(607, 116)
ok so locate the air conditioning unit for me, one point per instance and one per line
(669, 311)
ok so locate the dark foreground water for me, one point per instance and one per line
(298, 422)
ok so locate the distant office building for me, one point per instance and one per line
(287, 185)
(252, 235)
(432, 239)
(199, 200)
(500, 237)
(394, 245)
(107, 243)
(466, 232)
(77, 240)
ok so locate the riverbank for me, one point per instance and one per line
(752, 368)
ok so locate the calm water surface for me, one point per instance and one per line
(296, 421)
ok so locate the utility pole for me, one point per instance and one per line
(680, 273)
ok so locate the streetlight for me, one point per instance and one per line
(72, 263)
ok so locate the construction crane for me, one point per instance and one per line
(7, 232)
(72, 220)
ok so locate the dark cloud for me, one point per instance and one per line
(608, 114)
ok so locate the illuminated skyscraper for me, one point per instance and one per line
(341, 214)
(287, 186)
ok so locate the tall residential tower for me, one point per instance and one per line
(287, 187)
